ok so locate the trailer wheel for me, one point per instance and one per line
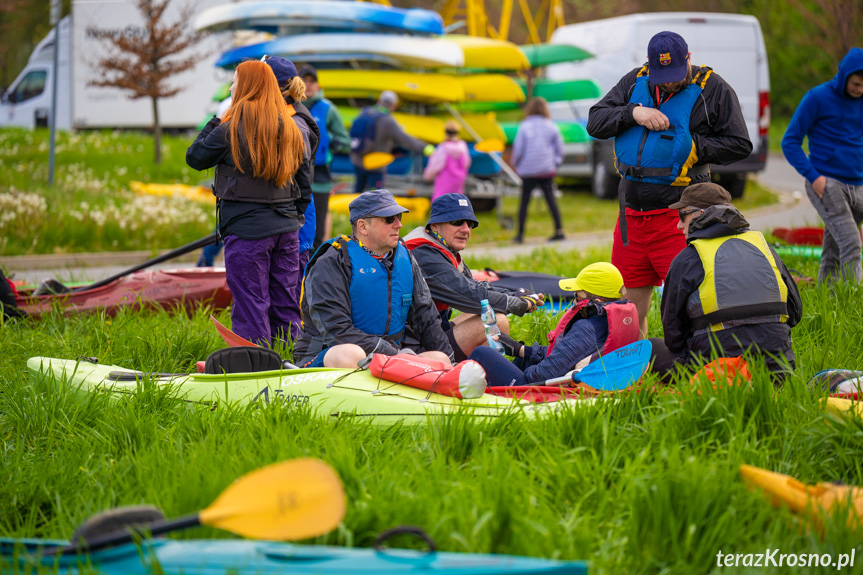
(605, 181)
(735, 183)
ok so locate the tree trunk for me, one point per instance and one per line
(157, 132)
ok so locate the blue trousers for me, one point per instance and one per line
(499, 371)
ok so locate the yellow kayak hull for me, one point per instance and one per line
(491, 88)
(431, 128)
(490, 54)
(411, 87)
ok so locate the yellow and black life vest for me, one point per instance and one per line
(742, 283)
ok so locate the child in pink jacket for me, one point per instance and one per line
(449, 164)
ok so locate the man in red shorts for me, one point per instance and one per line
(669, 123)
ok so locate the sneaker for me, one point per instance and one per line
(518, 239)
(557, 237)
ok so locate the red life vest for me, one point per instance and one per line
(414, 243)
(622, 324)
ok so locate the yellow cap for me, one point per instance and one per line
(602, 279)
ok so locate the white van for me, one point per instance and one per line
(731, 44)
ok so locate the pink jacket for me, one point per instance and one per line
(448, 167)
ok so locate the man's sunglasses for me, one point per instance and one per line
(390, 219)
(683, 213)
(460, 223)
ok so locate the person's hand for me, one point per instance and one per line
(534, 300)
(819, 185)
(428, 150)
(650, 118)
(510, 346)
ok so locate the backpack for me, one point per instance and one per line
(363, 130)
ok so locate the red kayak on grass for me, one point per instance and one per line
(164, 289)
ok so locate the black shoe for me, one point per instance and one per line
(518, 239)
(557, 237)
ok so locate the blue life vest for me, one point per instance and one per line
(363, 129)
(661, 157)
(370, 280)
(319, 111)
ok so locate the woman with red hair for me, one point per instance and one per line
(257, 149)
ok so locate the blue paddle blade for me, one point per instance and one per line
(618, 369)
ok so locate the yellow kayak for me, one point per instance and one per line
(812, 500)
(413, 87)
(196, 193)
(841, 405)
(491, 88)
(490, 54)
(485, 125)
(430, 128)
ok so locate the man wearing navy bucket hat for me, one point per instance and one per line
(669, 122)
(436, 248)
(362, 293)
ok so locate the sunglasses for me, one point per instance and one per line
(460, 223)
(683, 213)
(390, 219)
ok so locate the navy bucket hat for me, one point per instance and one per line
(374, 204)
(666, 58)
(450, 208)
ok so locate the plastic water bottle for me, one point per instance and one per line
(489, 321)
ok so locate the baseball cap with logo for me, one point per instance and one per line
(601, 278)
(666, 58)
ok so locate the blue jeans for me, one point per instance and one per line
(841, 209)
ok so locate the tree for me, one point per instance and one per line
(143, 64)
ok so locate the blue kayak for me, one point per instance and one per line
(221, 556)
(284, 18)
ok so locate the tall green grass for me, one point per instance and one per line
(644, 483)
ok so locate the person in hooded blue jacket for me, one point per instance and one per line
(831, 117)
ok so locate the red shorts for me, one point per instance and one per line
(654, 241)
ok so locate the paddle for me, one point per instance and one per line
(613, 371)
(197, 244)
(490, 145)
(377, 160)
(284, 501)
(232, 339)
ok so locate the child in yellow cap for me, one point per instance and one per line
(599, 321)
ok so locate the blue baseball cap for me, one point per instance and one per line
(666, 58)
(374, 204)
(283, 68)
(451, 207)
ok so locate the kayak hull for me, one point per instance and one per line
(327, 392)
(164, 289)
(205, 557)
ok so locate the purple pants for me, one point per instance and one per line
(298, 284)
(262, 275)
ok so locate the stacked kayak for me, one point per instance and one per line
(326, 391)
(147, 288)
(241, 557)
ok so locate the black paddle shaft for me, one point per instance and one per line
(130, 534)
(197, 244)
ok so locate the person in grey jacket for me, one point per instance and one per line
(375, 130)
(437, 247)
(346, 312)
(536, 154)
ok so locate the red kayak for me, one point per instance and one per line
(145, 288)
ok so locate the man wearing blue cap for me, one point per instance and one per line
(361, 293)
(437, 247)
(669, 123)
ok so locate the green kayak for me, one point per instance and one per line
(562, 90)
(546, 54)
(326, 391)
(572, 132)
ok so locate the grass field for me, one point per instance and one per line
(646, 483)
(91, 208)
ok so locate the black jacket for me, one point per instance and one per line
(686, 274)
(716, 123)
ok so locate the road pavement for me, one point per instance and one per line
(792, 210)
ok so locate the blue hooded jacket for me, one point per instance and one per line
(833, 121)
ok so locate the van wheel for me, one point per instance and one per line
(605, 181)
(735, 183)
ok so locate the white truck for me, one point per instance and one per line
(27, 102)
(731, 44)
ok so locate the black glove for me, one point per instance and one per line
(533, 300)
(510, 346)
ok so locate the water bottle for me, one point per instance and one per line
(489, 321)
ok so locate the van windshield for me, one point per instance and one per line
(30, 86)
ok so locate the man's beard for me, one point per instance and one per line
(678, 86)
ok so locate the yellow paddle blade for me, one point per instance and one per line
(377, 160)
(489, 145)
(286, 501)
